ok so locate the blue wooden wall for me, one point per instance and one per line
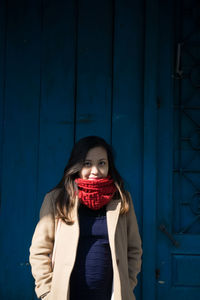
(80, 67)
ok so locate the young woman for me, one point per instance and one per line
(88, 222)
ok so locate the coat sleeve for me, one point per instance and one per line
(42, 247)
(134, 245)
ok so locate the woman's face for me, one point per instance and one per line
(95, 165)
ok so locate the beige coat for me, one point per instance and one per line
(125, 245)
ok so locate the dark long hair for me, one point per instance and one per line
(65, 200)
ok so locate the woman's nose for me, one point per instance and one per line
(94, 170)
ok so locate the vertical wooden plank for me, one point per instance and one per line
(58, 84)
(165, 146)
(19, 169)
(149, 155)
(2, 77)
(127, 118)
(94, 68)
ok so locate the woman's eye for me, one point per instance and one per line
(87, 164)
(102, 163)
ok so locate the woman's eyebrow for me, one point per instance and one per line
(98, 159)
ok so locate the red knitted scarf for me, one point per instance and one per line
(97, 192)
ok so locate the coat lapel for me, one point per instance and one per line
(67, 247)
(112, 214)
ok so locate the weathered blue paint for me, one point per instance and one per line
(149, 149)
(2, 78)
(178, 264)
(57, 106)
(74, 68)
(165, 147)
(127, 106)
(94, 69)
(19, 155)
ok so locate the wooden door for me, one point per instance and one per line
(178, 181)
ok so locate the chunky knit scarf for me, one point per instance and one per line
(97, 192)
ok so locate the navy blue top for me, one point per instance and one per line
(92, 274)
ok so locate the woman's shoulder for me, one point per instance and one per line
(53, 194)
(49, 201)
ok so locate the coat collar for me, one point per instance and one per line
(112, 214)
